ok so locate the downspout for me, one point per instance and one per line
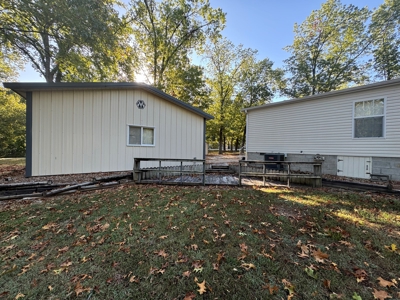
(247, 129)
(204, 139)
(28, 155)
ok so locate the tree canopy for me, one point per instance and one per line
(168, 31)
(326, 51)
(385, 36)
(69, 40)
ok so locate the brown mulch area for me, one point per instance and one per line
(16, 174)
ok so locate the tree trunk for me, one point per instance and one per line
(220, 139)
(224, 143)
(244, 136)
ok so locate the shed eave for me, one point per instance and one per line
(22, 88)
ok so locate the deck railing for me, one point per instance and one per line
(192, 167)
(265, 172)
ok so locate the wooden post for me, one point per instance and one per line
(317, 182)
(159, 172)
(264, 175)
(288, 172)
(240, 171)
(181, 172)
(136, 170)
(204, 173)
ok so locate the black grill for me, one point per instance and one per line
(270, 157)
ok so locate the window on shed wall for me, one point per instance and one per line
(140, 136)
(369, 118)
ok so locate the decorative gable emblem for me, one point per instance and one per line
(140, 104)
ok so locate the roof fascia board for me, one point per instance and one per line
(355, 89)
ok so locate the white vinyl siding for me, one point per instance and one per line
(324, 125)
(85, 131)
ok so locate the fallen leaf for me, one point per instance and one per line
(356, 296)
(360, 275)
(19, 295)
(50, 288)
(310, 272)
(271, 288)
(385, 283)
(327, 284)
(186, 274)
(80, 289)
(189, 296)
(247, 267)
(134, 279)
(161, 253)
(380, 295)
(66, 264)
(31, 257)
(320, 256)
(392, 247)
(63, 250)
(202, 287)
(163, 237)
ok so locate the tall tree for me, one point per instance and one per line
(168, 31)
(69, 39)
(12, 108)
(10, 63)
(188, 83)
(385, 36)
(326, 51)
(224, 63)
(258, 83)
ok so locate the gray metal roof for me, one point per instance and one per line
(23, 87)
(355, 89)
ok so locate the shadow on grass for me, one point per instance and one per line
(161, 242)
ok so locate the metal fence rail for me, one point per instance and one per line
(258, 168)
(197, 166)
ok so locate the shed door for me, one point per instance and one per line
(354, 166)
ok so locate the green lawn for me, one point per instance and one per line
(166, 242)
(12, 161)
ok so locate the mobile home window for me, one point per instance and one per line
(369, 118)
(140, 136)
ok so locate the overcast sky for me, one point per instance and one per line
(264, 25)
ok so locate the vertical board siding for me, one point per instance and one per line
(323, 126)
(87, 151)
(86, 130)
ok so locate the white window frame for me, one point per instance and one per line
(382, 115)
(141, 136)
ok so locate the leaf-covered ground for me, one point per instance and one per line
(159, 242)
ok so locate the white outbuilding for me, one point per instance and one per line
(356, 130)
(102, 127)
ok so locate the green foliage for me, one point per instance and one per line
(10, 63)
(224, 64)
(12, 125)
(326, 51)
(69, 40)
(166, 33)
(385, 35)
(237, 80)
(189, 85)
